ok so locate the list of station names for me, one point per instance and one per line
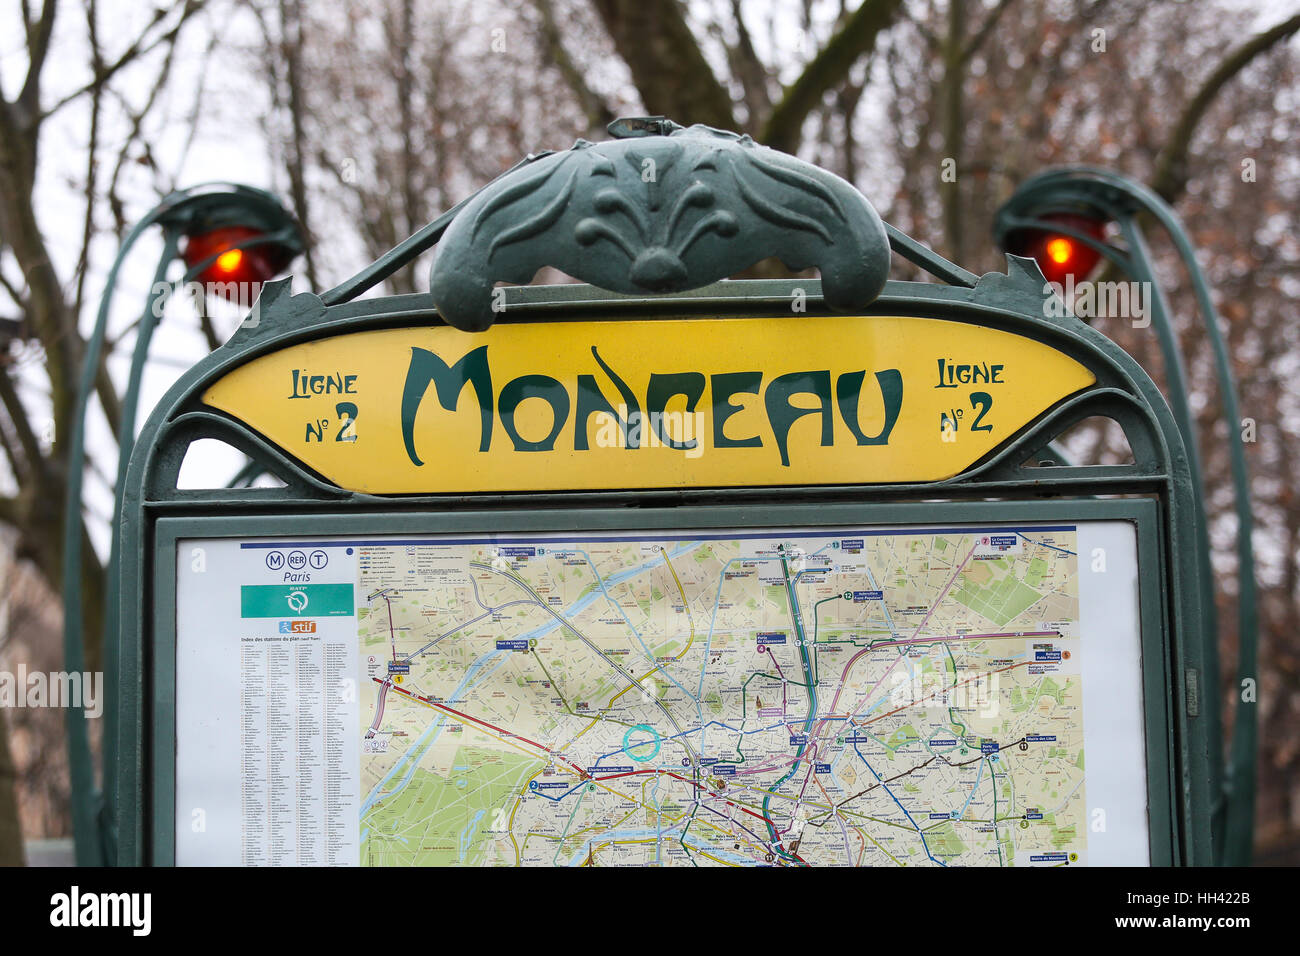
(298, 796)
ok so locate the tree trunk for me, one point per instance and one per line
(954, 129)
(11, 834)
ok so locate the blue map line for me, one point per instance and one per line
(467, 834)
(1042, 544)
(617, 579)
(416, 751)
(545, 796)
(971, 796)
(900, 806)
(717, 600)
(694, 536)
(659, 832)
(696, 730)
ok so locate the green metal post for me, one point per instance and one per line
(1117, 198)
(87, 835)
(1139, 267)
(126, 437)
(92, 829)
(126, 442)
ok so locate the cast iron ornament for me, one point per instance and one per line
(660, 209)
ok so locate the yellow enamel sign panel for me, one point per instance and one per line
(649, 404)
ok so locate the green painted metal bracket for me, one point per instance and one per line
(665, 210)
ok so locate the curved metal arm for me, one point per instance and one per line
(86, 835)
(176, 212)
(148, 324)
(1121, 199)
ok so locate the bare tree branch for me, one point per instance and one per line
(33, 465)
(985, 31)
(137, 49)
(926, 33)
(1170, 178)
(828, 68)
(953, 123)
(47, 311)
(19, 299)
(38, 46)
(192, 118)
(291, 41)
(750, 70)
(666, 62)
(92, 156)
(15, 468)
(594, 107)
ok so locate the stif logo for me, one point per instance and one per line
(297, 627)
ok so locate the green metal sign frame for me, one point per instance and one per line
(995, 489)
(1165, 835)
(1022, 478)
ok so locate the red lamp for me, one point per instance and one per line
(1060, 256)
(239, 259)
(236, 237)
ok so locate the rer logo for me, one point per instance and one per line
(297, 627)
